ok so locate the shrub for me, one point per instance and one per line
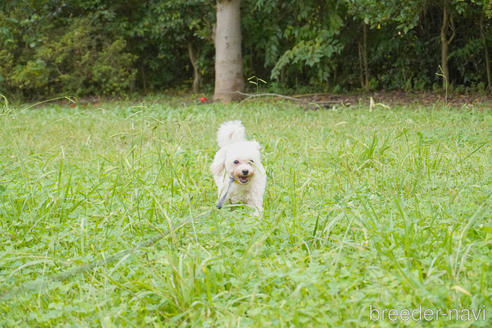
(76, 58)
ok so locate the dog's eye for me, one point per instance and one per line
(236, 162)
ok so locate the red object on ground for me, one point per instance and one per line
(203, 99)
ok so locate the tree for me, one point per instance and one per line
(228, 56)
(403, 15)
(56, 47)
(452, 9)
(314, 38)
(446, 25)
(94, 47)
(167, 36)
(486, 53)
(486, 13)
(185, 24)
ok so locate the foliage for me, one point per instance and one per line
(159, 34)
(90, 47)
(389, 208)
(46, 53)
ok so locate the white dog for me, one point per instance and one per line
(237, 168)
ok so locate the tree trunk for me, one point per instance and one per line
(228, 58)
(197, 77)
(486, 53)
(361, 66)
(445, 42)
(365, 70)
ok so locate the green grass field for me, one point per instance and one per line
(384, 209)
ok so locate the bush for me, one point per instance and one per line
(75, 58)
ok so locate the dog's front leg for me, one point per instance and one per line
(257, 205)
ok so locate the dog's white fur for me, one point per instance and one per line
(239, 159)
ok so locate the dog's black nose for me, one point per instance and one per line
(245, 172)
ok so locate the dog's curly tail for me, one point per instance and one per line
(230, 132)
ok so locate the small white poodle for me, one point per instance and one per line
(237, 168)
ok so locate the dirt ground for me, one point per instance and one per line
(318, 100)
(390, 98)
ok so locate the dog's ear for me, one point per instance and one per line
(218, 165)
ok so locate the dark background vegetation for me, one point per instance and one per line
(113, 47)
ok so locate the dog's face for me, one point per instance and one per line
(240, 160)
(242, 170)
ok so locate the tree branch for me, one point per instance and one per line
(276, 95)
(451, 38)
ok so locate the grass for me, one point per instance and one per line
(389, 209)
